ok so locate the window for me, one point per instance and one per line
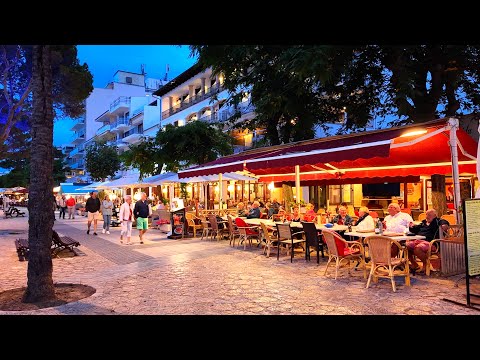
(128, 79)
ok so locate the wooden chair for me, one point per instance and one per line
(285, 236)
(382, 262)
(271, 241)
(340, 249)
(191, 223)
(215, 229)
(313, 240)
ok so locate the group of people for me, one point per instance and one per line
(63, 204)
(128, 213)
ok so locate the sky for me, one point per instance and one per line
(104, 60)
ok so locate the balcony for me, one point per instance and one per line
(137, 118)
(120, 105)
(103, 118)
(132, 136)
(192, 101)
(78, 123)
(79, 137)
(77, 152)
(103, 130)
(121, 144)
(121, 124)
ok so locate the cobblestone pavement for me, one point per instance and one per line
(190, 276)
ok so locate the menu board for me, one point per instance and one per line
(472, 235)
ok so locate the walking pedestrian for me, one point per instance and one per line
(71, 207)
(107, 206)
(126, 219)
(142, 212)
(62, 203)
(92, 207)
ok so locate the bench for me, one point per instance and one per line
(61, 243)
(58, 244)
(22, 248)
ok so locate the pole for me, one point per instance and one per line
(220, 191)
(297, 183)
(453, 126)
(477, 194)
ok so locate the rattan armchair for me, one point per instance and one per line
(340, 249)
(382, 262)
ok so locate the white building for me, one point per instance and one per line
(190, 97)
(120, 113)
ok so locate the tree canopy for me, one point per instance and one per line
(176, 148)
(102, 160)
(297, 87)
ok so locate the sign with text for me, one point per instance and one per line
(472, 235)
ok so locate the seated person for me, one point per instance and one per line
(241, 209)
(342, 218)
(310, 214)
(254, 212)
(295, 216)
(397, 221)
(430, 228)
(365, 221)
(273, 208)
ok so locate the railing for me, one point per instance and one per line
(137, 112)
(132, 132)
(79, 135)
(226, 114)
(117, 102)
(76, 151)
(103, 129)
(122, 120)
(192, 100)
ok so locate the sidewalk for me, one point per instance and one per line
(189, 276)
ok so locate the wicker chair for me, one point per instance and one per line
(206, 228)
(215, 229)
(270, 240)
(452, 242)
(450, 218)
(285, 236)
(382, 262)
(232, 230)
(422, 216)
(191, 223)
(340, 249)
(247, 232)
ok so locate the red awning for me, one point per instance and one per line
(371, 154)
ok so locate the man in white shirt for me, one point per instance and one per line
(397, 221)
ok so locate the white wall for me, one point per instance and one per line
(137, 102)
(151, 116)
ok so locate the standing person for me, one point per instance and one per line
(92, 207)
(141, 212)
(71, 207)
(126, 219)
(62, 203)
(107, 211)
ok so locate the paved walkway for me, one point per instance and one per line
(190, 276)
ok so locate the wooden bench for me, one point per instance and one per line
(61, 243)
(22, 248)
(58, 244)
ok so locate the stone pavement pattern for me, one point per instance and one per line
(190, 276)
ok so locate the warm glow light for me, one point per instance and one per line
(113, 196)
(271, 186)
(67, 197)
(151, 197)
(86, 196)
(137, 196)
(230, 188)
(217, 188)
(239, 187)
(413, 132)
(56, 189)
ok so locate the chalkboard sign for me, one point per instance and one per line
(472, 236)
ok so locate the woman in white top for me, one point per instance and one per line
(126, 218)
(365, 221)
(107, 206)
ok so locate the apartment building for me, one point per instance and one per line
(197, 94)
(121, 113)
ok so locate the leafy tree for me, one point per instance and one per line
(71, 84)
(179, 147)
(54, 69)
(102, 160)
(297, 87)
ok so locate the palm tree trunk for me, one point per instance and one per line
(40, 283)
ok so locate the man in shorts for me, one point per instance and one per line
(141, 213)
(93, 210)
